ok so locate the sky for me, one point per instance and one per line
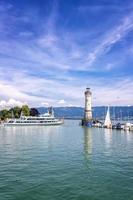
(51, 50)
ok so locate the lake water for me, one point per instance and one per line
(65, 162)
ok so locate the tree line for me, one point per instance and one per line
(16, 111)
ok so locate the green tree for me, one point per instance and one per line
(26, 111)
(12, 112)
(4, 114)
(16, 111)
(34, 112)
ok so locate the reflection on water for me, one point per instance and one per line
(28, 138)
(26, 130)
(87, 142)
(108, 136)
(129, 135)
(65, 162)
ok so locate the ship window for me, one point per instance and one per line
(10, 121)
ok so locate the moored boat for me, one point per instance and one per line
(43, 120)
(127, 126)
(119, 126)
(131, 127)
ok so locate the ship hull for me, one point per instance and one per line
(34, 124)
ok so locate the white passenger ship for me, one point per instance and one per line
(43, 120)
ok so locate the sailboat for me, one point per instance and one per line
(107, 122)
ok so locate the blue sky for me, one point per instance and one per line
(51, 50)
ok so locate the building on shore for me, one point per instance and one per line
(87, 120)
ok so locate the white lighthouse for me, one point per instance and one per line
(88, 104)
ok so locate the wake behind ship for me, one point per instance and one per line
(43, 120)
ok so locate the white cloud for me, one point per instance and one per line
(45, 104)
(48, 41)
(111, 37)
(99, 8)
(62, 101)
(11, 103)
(39, 70)
(36, 90)
(2, 103)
